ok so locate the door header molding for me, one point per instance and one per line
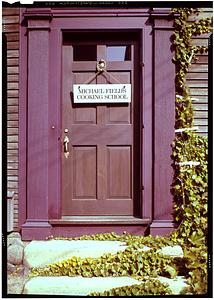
(38, 13)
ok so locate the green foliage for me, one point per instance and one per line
(183, 112)
(148, 287)
(184, 50)
(130, 262)
(170, 271)
(196, 266)
(133, 241)
(190, 186)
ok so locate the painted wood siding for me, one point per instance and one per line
(10, 26)
(197, 78)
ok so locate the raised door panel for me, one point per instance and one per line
(119, 172)
(84, 172)
(120, 113)
(86, 114)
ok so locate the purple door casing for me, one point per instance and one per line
(41, 128)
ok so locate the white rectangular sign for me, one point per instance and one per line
(102, 93)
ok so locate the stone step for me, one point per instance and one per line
(42, 253)
(176, 284)
(81, 286)
(74, 286)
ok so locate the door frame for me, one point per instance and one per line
(39, 194)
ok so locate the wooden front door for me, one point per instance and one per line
(101, 175)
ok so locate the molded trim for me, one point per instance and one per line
(163, 227)
(128, 220)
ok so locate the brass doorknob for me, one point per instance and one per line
(65, 144)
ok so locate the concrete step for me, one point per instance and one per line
(74, 286)
(42, 253)
(176, 284)
(81, 286)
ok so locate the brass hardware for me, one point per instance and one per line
(65, 144)
(66, 130)
(101, 65)
(52, 127)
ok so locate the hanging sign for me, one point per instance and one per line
(102, 93)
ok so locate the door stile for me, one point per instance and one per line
(137, 174)
(66, 174)
(101, 149)
(55, 117)
(147, 135)
(101, 109)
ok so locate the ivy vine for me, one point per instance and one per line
(148, 287)
(190, 186)
(185, 52)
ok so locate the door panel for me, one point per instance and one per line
(119, 113)
(99, 177)
(84, 114)
(119, 172)
(84, 172)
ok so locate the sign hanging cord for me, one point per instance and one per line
(101, 68)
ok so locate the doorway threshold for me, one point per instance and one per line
(99, 220)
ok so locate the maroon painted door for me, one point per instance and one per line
(101, 174)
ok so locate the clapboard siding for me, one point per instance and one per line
(10, 11)
(13, 53)
(12, 117)
(12, 37)
(206, 13)
(12, 124)
(197, 77)
(13, 70)
(198, 68)
(196, 18)
(195, 82)
(12, 45)
(10, 20)
(10, 27)
(12, 101)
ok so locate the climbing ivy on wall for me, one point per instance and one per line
(190, 187)
(185, 52)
